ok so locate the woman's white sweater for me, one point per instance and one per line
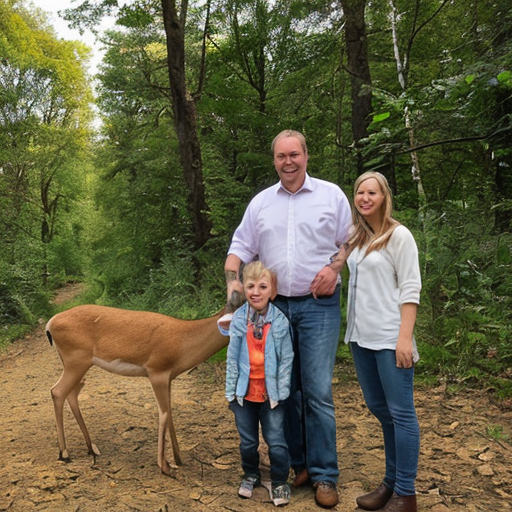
(379, 284)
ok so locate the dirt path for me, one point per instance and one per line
(461, 467)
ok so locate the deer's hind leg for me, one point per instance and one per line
(73, 404)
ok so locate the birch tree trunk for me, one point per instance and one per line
(402, 66)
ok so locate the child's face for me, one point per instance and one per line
(258, 292)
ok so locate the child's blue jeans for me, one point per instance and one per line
(248, 419)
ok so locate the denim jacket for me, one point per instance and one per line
(278, 357)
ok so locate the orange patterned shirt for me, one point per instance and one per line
(256, 391)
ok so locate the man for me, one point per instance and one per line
(297, 228)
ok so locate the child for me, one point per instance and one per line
(258, 374)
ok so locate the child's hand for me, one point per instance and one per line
(224, 322)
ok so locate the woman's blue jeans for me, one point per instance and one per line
(248, 418)
(310, 421)
(388, 392)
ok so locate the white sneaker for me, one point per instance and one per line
(247, 486)
(281, 495)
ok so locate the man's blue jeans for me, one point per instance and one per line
(388, 392)
(248, 418)
(310, 422)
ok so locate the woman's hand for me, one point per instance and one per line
(404, 353)
(404, 345)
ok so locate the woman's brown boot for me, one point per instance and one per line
(401, 504)
(376, 499)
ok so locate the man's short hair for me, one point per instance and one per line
(291, 133)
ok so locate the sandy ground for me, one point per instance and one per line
(462, 468)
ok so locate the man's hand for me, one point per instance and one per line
(235, 291)
(324, 282)
(234, 285)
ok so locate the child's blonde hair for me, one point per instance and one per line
(256, 270)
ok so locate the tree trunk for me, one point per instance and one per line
(359, 69)
(503, 163)
(402, 66)
(185, 120)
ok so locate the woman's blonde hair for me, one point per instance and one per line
(362, 232)
(256, 270)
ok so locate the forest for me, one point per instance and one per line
(133, 181)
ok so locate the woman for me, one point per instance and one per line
(384, 293)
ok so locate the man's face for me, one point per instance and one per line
(290, 162)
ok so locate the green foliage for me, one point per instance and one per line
(466, 313)
(169, 290)
(120, 221)
(496, 433)
(343, 355)
(44, 111)
(22, 300)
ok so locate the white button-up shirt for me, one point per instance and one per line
(294, 234)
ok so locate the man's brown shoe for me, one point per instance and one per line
(376, 499)
(301, 478)
(326, 495)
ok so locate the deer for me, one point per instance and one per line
(133, 344)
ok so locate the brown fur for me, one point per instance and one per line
(132, 343)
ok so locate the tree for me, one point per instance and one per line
(139, 184)
(44, 111)
(358, 67)
(174, 17)
(185, 114)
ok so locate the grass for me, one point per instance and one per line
(10, 333)
(496, 433)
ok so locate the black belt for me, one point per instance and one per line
(301, 298)
(295, 299)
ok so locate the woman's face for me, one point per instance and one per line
(369, 200)
(257, 292)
